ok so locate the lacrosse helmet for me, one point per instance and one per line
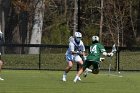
(77, 37)
(95, 38)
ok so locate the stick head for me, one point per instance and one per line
(102, 59)
(114, 50)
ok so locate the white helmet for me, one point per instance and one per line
(77, 36)
(95, 38)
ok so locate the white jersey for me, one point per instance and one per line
(73, 46)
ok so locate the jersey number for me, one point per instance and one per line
(93, 49)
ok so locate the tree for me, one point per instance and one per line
(0, 15)
(118, 21)
(37, 26)
(75, 16)
(101, 20)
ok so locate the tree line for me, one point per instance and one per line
(54, 21)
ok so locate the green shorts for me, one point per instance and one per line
(87, 64)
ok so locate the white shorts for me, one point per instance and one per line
(74, 58)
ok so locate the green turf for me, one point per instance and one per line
(35, 81)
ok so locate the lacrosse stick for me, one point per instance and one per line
(113, 51)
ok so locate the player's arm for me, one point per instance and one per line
(71, 46)
(75, 52)
(81, 53)
(82, 49)
(105, 53)
(108, 54)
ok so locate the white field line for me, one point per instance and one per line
(112, 75)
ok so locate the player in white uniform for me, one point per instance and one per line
(74, 53)
(1, 62)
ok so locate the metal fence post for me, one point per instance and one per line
(117, 59)
(39, 63)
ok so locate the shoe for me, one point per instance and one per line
(79, 79)
(86, 72)
(75, 79)
(1, 78)
(64, 78)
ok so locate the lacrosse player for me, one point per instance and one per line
(93, 58)
(74, 53)
(1, 63)
(1, 42)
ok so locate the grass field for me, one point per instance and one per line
(35, 81)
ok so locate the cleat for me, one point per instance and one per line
(1, 78)
(87, 72)
(75, 80)
(64, 79)
(79, 79)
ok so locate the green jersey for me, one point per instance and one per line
(95, 52)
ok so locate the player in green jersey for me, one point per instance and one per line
(96, 50)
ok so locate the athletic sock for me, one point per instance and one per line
(65, 75)
(76, 78)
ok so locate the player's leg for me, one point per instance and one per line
(68, 67)
(82, 69)
(87, 70)
(79, 60)
(1, 63)
(95, 69)
(78, 74)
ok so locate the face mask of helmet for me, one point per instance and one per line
(77, 39)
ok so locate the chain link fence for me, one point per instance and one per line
(129, 59)
(52, 57)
